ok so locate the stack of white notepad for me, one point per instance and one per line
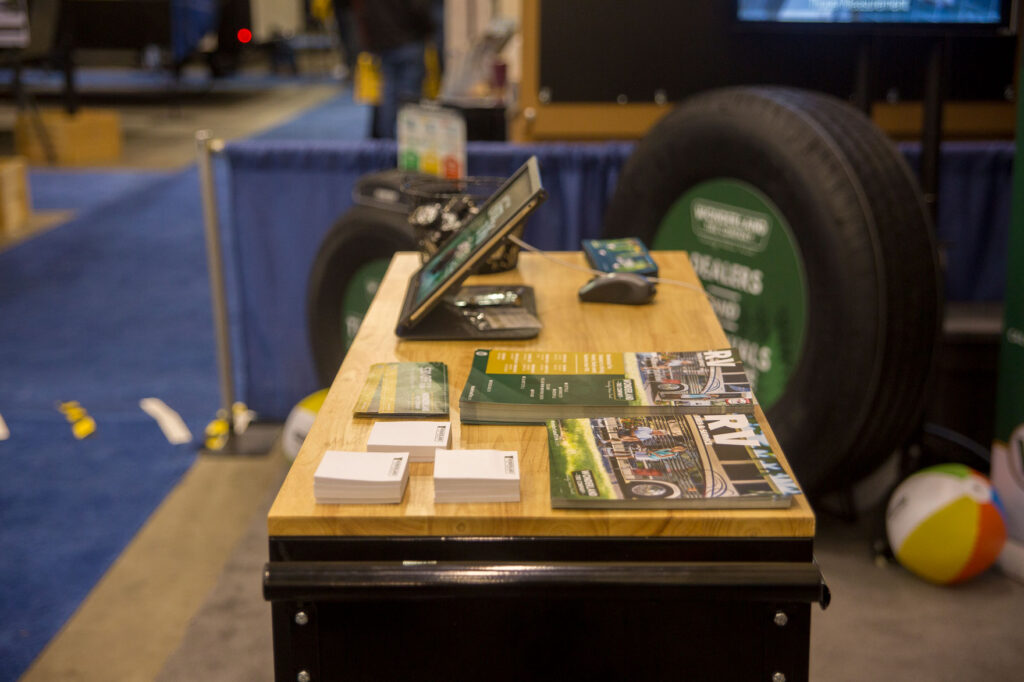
(476, 476)
(419, 438)
(361, 477)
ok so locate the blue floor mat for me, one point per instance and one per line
(109, 308)
(104, 488)
(339, 118)
(53, 189)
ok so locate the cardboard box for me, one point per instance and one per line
(87, 137)
(15, 205)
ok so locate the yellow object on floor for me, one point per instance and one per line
(82, 425)
(299, 422)
(217, 433)
(368, 78)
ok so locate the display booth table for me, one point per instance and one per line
(520, 590)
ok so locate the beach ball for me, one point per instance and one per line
(299, 421)
(944, 523)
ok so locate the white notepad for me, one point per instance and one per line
(476, 476)
(418, 438)
(361, 477)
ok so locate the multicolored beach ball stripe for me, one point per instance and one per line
(945, 523)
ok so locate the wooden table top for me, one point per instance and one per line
(678, 319)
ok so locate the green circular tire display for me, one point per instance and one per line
(810, 236)
(359, 293)
(744, 253)
(348, 267)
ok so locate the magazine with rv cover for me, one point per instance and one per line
(530, 387)
(404, 389)
(678, 461)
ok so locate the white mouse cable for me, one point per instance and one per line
(657, 280)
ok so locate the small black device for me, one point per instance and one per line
(618, 287)
(429, 310)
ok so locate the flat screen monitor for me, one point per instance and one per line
(463, 253)
(920, 15)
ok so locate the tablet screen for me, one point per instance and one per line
(470, 245)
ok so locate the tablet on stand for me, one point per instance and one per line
(437, 307)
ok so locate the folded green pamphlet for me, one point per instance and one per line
(404, 389)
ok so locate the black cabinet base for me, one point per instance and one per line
(463, 620)
(625, 637)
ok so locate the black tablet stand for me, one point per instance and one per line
(448, 321)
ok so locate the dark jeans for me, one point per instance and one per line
(402, 71)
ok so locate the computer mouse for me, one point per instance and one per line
(618, 287)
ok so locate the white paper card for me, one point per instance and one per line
(476, 476)
(364, 467)
(476, 464)
(361, 477)
(418, 438)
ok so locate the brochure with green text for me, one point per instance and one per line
(530, 387)
(682, 461)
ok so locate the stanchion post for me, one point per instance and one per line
(257, 438)
(206, 145)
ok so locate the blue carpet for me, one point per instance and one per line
(106, 309)
(109, 308)
(339, 118)
(78, 190)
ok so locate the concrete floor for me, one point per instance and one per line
(139, 612)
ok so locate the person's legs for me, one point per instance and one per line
(387, 106)
(402, 71)
(347, 38)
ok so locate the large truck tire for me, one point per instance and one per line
(348, 267)
(814, 245)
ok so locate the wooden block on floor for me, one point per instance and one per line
(38, 222)
(15, 205)
(87, 137)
